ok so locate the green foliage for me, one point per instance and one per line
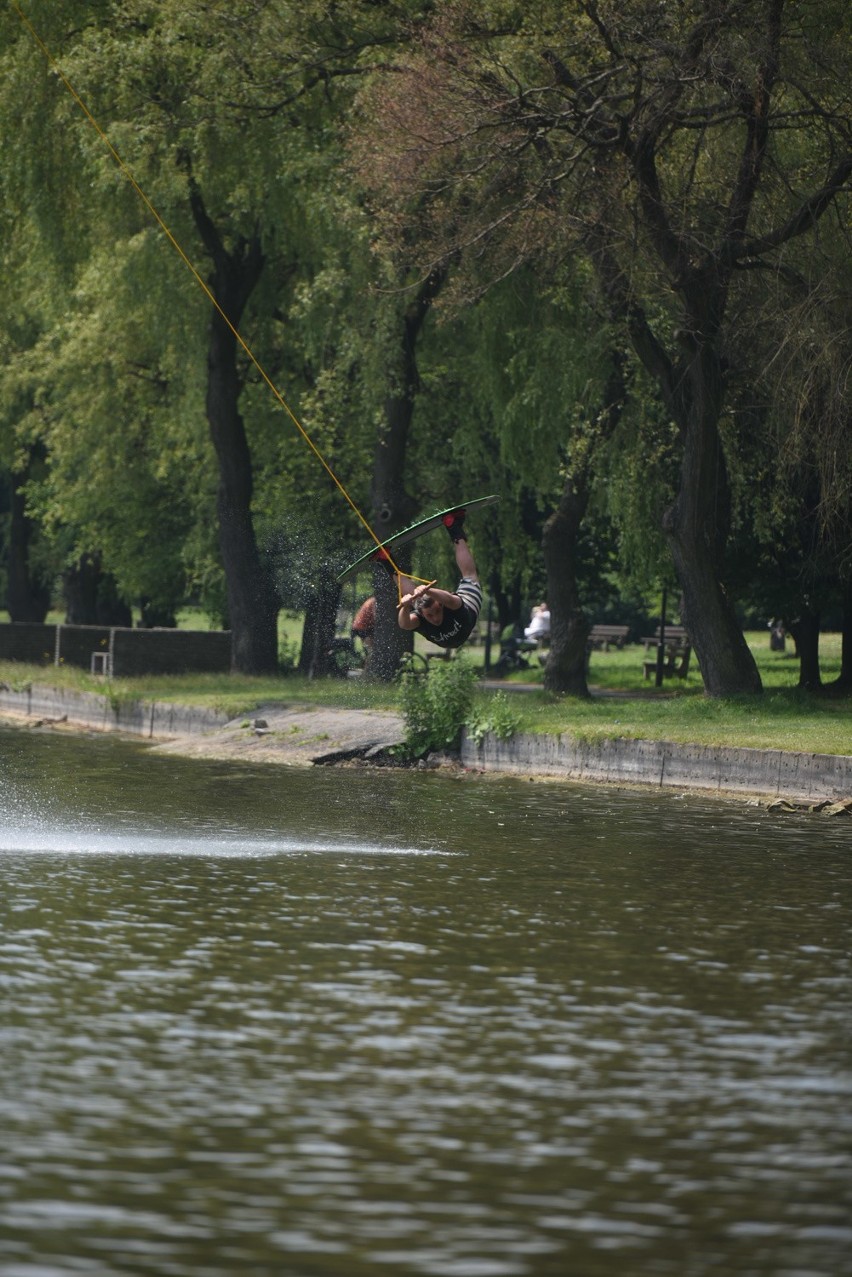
(496, 716)
(436, 707)
(103, 332)
(640, 482)
(288, 655)
(674, 187)
(102, 353)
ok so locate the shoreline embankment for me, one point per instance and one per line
(765, 773)
(299, 734)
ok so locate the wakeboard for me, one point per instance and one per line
(413, 531)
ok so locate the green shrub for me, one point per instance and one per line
(436, 707)
(288, 655)
(496, 715)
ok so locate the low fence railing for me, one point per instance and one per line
(114, 650)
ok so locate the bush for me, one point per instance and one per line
(436, 707)
(497, 717)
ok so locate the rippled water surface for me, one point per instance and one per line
(337, 1023)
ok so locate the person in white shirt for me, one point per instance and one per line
(539, 626)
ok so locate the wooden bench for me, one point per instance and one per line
(676, 637)
(675, 662)
(601, 636)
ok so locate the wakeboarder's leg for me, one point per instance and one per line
(454, 523)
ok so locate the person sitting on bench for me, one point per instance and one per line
(539, 626)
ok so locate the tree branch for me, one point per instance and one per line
(614, 284)
(757, 131)
(806, 216)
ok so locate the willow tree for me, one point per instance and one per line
(227, 114)
(36, 262)
(167, 85)
(679, 149)
(538, 377)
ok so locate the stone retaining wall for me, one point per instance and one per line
(772, 773)
(137, 718)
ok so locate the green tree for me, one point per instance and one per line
(679, 149)
(239, 154)
(795, 517)
(86, 382)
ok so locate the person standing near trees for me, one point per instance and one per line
(444, 618)
(364, 626)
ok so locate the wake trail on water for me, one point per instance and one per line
(86, 842)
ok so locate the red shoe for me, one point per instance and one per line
(454, 523)
(382, 556)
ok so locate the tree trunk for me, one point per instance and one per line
(27, 598)
(565, 670)
(508, 604)
(805, 631)
(79, 589)
(91, 597)
(567, 661)
(843, 683)
(252, 604)
(389, 641)
(252, 600)
(154, 616)
(315, 660)
(392, 507)
(696, 525)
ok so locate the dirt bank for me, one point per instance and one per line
(298, 735)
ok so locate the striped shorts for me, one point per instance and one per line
(470, 593)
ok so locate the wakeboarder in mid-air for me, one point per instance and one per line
(442, 617)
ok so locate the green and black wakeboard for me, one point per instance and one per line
(415, 530)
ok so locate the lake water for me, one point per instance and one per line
(337, 1023)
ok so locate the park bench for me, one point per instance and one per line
(601, 636)
(675, 663)
(677, 655)
(676, 637)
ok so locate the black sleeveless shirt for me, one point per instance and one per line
(454, 629)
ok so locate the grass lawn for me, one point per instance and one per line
(625, 704)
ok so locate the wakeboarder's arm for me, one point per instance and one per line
(452, 601)
(408, 619)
